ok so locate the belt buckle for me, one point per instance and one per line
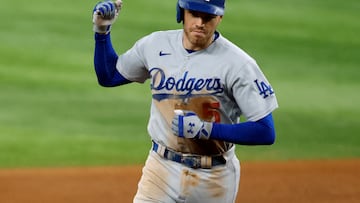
(191, 161)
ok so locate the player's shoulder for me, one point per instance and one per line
(162, 35)
(237, 59)
(167, 32)
(232, 50)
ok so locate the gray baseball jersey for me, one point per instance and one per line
(219, 83)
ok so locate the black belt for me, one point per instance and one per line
(190, 160)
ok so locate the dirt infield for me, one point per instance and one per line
(280, 182)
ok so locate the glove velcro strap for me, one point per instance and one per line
(102, 29)
(205, 132)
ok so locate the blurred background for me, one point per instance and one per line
(53, 112)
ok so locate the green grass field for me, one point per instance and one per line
(53, 113)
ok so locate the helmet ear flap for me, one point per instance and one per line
(179, 13)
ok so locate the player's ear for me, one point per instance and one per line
(218, 20)
(221, 17)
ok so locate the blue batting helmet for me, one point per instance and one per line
(215, 7)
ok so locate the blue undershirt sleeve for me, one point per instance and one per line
(105, 59)
(261, 132)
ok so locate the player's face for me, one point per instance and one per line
(199, 29)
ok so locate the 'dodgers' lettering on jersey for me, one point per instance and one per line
(185, 86)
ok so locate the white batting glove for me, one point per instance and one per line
(189, 125)
(104, 15)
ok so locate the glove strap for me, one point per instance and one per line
(205, 131)
(102, 29)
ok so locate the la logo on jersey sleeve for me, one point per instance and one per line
(265, 89)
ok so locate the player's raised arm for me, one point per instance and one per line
(105, 57)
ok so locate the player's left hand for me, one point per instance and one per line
(188, 125)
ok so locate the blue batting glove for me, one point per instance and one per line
(104, 15)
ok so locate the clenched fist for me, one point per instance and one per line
(104, 15)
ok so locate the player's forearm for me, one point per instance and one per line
(261, 132)
(105, 59)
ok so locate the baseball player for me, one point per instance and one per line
(201, 83)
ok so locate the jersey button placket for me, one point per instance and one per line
(185, 63)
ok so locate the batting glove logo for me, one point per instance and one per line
(191, 126)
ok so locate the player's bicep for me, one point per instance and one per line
(131, 66)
